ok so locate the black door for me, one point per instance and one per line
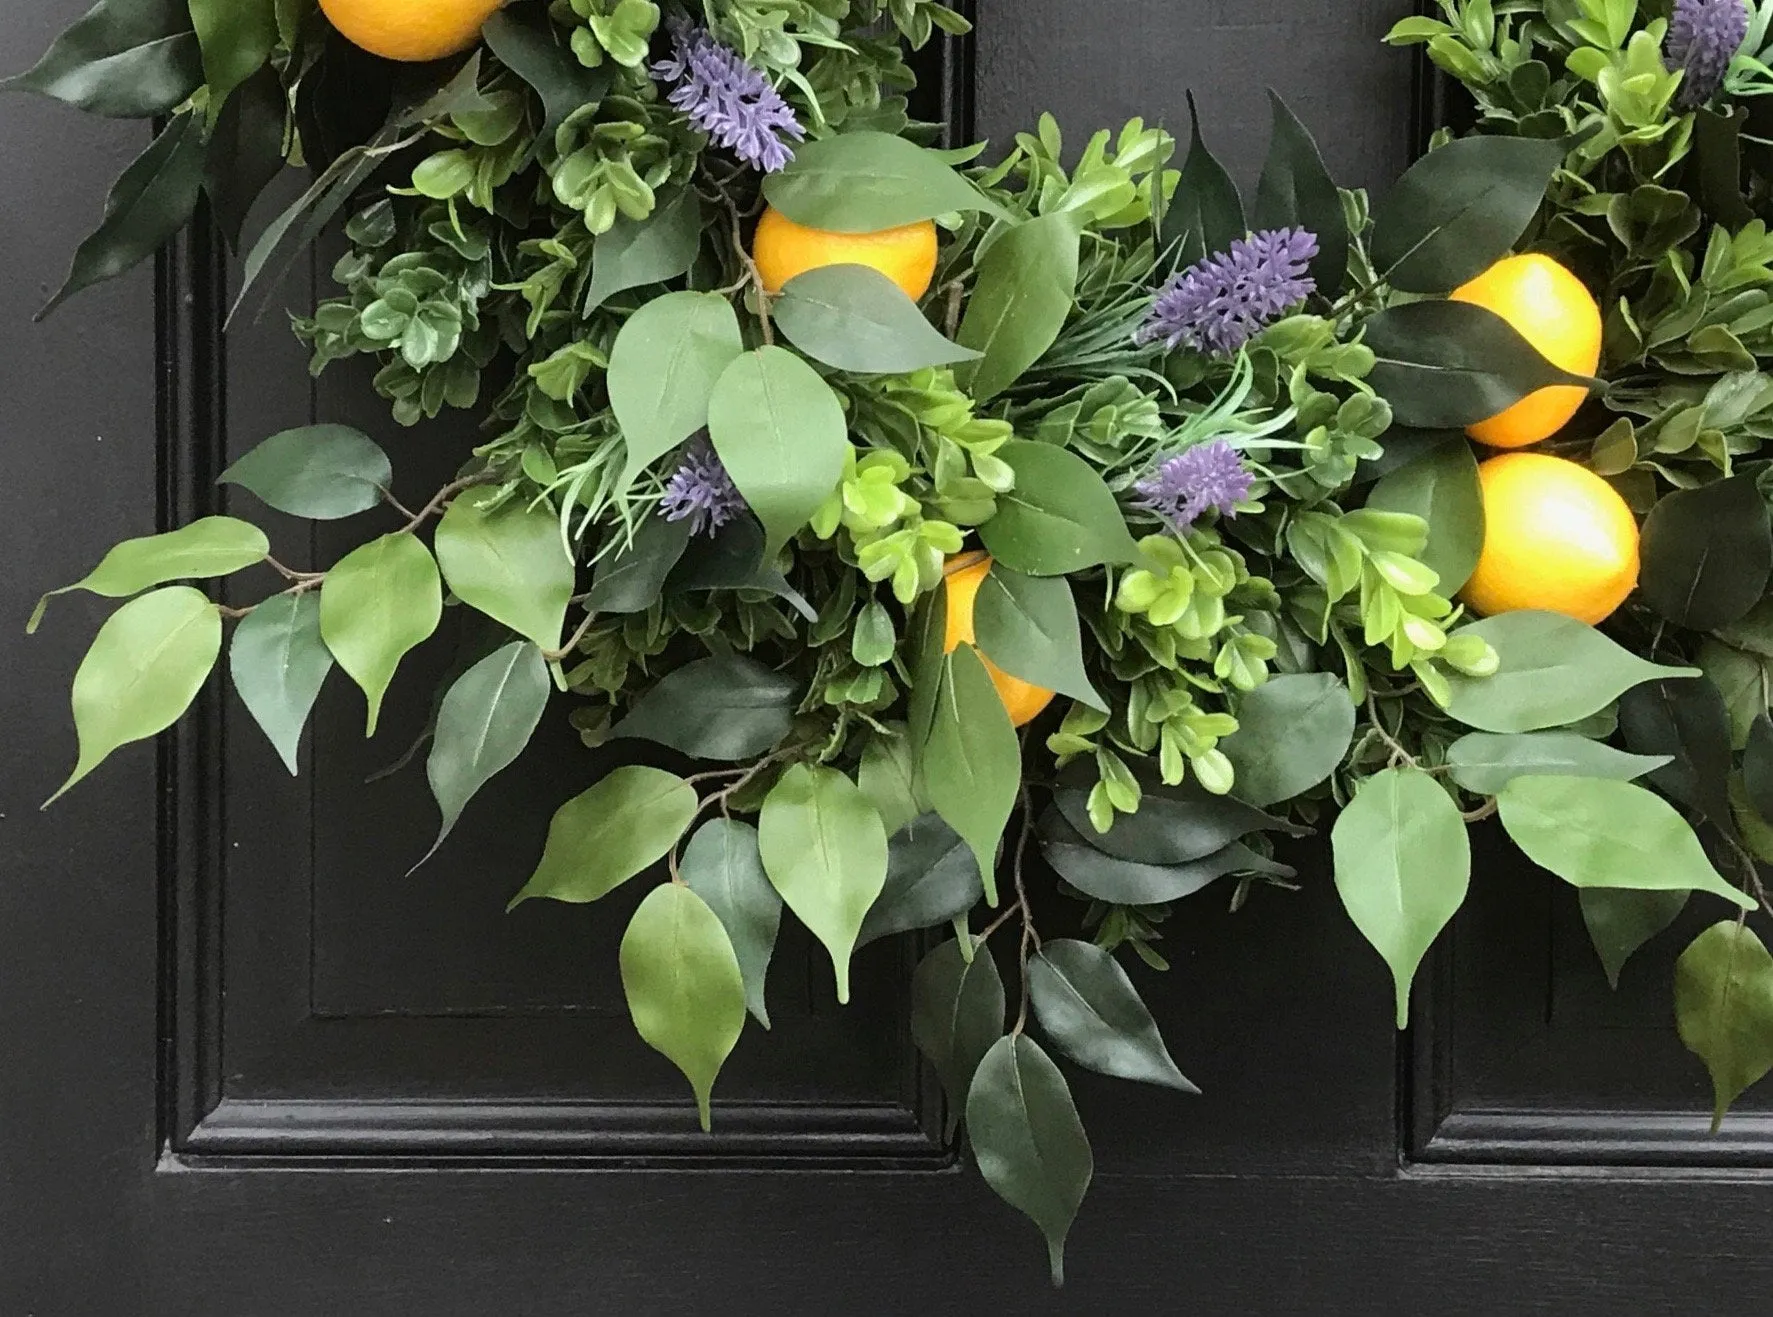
(248, 1069)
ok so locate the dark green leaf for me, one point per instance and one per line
(734, 559)
(127, 59)
(662, 372)
(635, 253)
(971, 762)
(1174, 825)
(1717, 144)
(603, 837)
(1484, 763)
(1131, 882)
(245, 150)
(236, 37)
(867, 181)
(1092, 1012)
(1027, 626)
(1296, 190)
(1622, 919)
(1207, 215)
(932, 877)
(1441, 487)
(728, 707)
(527, 43)
(888, 777)
(854, 318)
(1292, 733)
(509, 563)
(1060, 519)
(208, 547)
(957, 1007)
(1757, 767)
(1707, 553)
(323, 472)
(630, 579)
(379, 602)
(1688, 722)
(1026, 284)
(1724, 1009)
(278, 662)
(723, 866)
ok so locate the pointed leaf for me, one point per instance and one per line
(1026, 285)
(208, 547)
(508, 563)
(662, 372)
(1707, 553)
(527, 44)
(854, 318)
(684, 987)
(126, 59)
(932, 878)
(603, 837)
(1484, 763)
(1207, 215)
(381, 601)
(278, 662)
(723, 866)
(1130, 882)
(727, 708)
(323, 472)
(236, 37)
(1620, 920)
(1724, 1009)
(1027, 626)
(1293, 731)
(631, 579)
(1296, 190)
(1060, 518)
(1174, 825)
(971, 762)
(246, 150)
(957, 1007)
(1689, 722)
(1403, 864)
(635, 253)
(1090, 1009)
(888, 777)
(1441, 487)
(863, 182)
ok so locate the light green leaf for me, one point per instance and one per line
(278, 662)
(1292, 733)
(236, 37)
(1090, 1009)
(483, 724)
(1484, 763)
(146, 665)
(380, 602)
(508, 563)
(209, 547)
(1028, 1140)
(780, 431)
(1441, 487)
(323, 472)
(727, 707)
(888, 777)
(1554, 671)
(957, 1007)
(603, 837)
(825, 851)
(1723, 995)
(684, 987)
(662, 372)
(723, 866)
(1024, 292)
(1027, 626)
(867, 181)
(1403, 864)
(1060, 518)
(1593, 832)
(971, 761)
(635, 253)
(854, 318)
(932, 878)
(1621, 919)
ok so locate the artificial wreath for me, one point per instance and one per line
(969, 522)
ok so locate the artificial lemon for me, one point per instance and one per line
(410, 30)
(783, 249)
(1554, 312)
(965, 575)
(1556, 537)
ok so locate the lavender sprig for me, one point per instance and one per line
(1703, 37)
(1218, 304)
(701, 492)
(728, 99)
(1209, 476)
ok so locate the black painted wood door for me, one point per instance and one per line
(247, 1069)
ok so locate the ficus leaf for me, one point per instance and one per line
(726, 707)
(1296, 190)
(957, 1010)
(1688, 722)
(236, 37)
(932, 878)
(636, 253)
(127, 59)
(603, 837)
(245, 150)
(970, 762)
(1207, 215)
(1707, 553)
(380, 602)
(733, 559)
(862, 182)
(1292, 733)
(1174, 825)
(888, 777)
(1028, 627)
(631, 579)
(509, 563)
(723, 865)
(854, 318)
(323, 472)
(1621, 919)
(1483, 762)
(662, 371)
(1757, 767)
(1061, 517)
(1132, 882)
(1723, 995)
(684, 987)
(1021, 299)
(278, 662)
(528, 44)
(208, 547)
(1090, 1009)
(1441, 487)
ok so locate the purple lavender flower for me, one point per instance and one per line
(1207, 476)
(701, 492)
(1218, 304)
(728, 99)
(1703, 37)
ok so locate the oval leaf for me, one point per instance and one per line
(1060, 518)
(1292, 733)
(278, 662)
(662, 372)
(1484, 763)
(1723, 995)
(724, 708)
(1023, 295)
(723, 866)
(323, 472)
(1707, 553)
(236, 37)
(1441, 487)
(867, 181)
(1093, 1014)
(970, 761)
(631, 579)
(1620, 920)
(380, 602)
(854, 318)
(888, 777)
(1027, 626)
(603, 837)
(957, 1006)
(932, 878)
(1689, 722)
(635, 253)
(508, 563)
(209, 547)
(1130, 882)
(1174, 825)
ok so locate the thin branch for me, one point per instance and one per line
(1398, 753)
(752, 272)
(572, 645)
(1029, 937)
(1485, 811)
(443, 496)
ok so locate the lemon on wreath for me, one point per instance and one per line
(784, 249)
(965, 574)
(413, 31)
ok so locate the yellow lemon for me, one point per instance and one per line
(1554, 312)
(410, 30)
(783, 249)
(965, 574)
(1556, 537)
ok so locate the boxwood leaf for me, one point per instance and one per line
(603, 837)
(1296, 189)
(1021, 299)
(854, 318)
(126, 59)
(662, 371)
(1028, 1140)
(1622, 919)
(1723, 995)
(634, 253)
(509, 563)
(957, 1009)
(1292, 733)
(1403, 864)
(1027, 626)
(1484, 763)
(723, 866)
(825, 851)
(322, 472)
(1207, 215)
(867, 181)
(1594, 832)
(1554, 671)
(208, 547)
(381, 601)
(727, 707)
(278, 662)
(1707, 553)
(146, 665)
(1060, 518)
(684, 987)
(1092, 1012)
(1441, 487)
(1132, 882)
(970, 761)
(932, 878)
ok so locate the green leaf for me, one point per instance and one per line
(636, 253)
(631, 579)
(208, 547)
(888, 777)
(1207, 215)
(1594, 832)
(1441, 487)
(1757, 767)
(1174, 825)
(867, 181)
(1296, 190)
(509, 563)
(278, 662)
(1707, 553)
(662, 372)
(1024, 292)
(1132, 882)
(957, 1008)
(1403, 864)
(528, 45)
(152, 200)
(245, 150)
(1028, 1140)
(381, 601)
(1686, 720)
(1060, 518)
(1027, 626)
(854, 318)
(825, 851)
(1459, 209)
(781, 433)
(684, 987)
(1292, 733)
(723, 866)
(146, 665)
(728, 707)
(1620, 920)
(1723, 994)
(126, 59)
(1092, 1012)
(733, 559)
(971, 762)
(874, 639)
(1483, 762)
(932, 878)
(483, 724)
(1554, 671)
(603, 837)
(1447, 365)
(236, 37)
(323, 472)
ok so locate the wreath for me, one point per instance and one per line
(981, 535)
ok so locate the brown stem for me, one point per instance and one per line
(1398, 753)
(756, 278)
(566, 650)
(1485, 811)
(1029, 937)
(955, 290)
(443, 496)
